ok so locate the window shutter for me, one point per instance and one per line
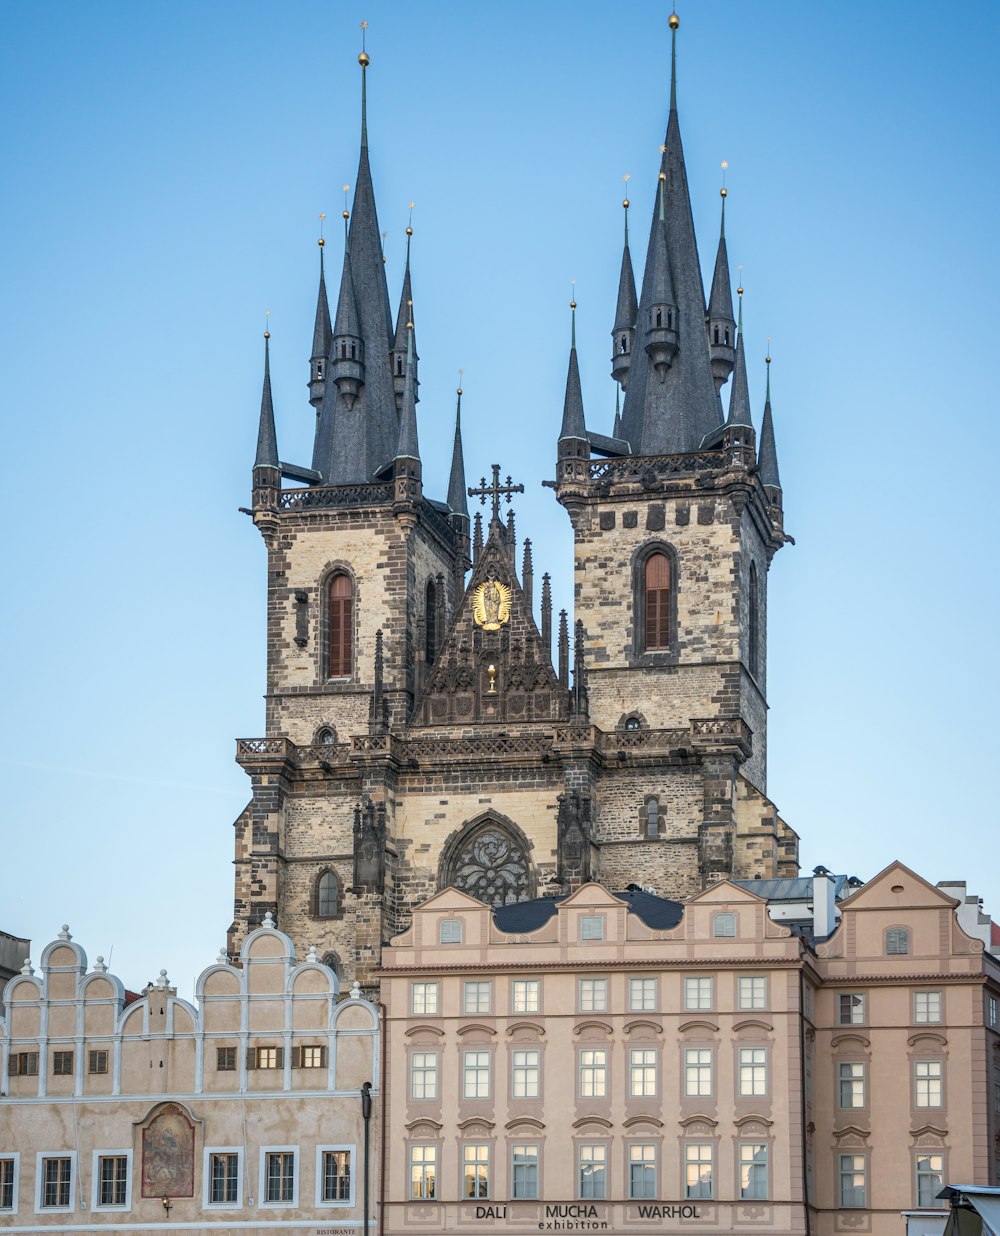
(280, 1057)
(296, 1057)
(251, 1057)
(322, 1057)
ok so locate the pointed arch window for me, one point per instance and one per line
(327, 895)
(340, 621)
(430, 623)
(753, 621)
(656, 602)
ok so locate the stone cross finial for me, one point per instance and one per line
(495, 491)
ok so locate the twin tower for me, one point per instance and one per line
(421, 731)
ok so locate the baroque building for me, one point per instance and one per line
(426, 725)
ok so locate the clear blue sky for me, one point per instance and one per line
(164, 167)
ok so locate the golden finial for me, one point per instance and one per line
(662, 176)
(267, 314)
(724, 192)
(385, 237)
(663, 150)
(674, 21)
(625, 202)
(739, 290)
(767, 358)
(572, 284)
(409, 226)
(461, 374)
(364, 59)
(321, 242)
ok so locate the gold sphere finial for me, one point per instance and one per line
(626, 203)
(739, 291)
(267, 334)
(409, 231)
(663, 175)
(723, 192)
(674, 21)
(346, 213)
(321, 242)
(364, 60)
(767, 360)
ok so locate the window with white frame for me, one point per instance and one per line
(642, 995)
(423, 1171)
(524, 1171)
(478, 997)
(111, 1179)
(751, 992)
(897, 941)
(334, 1175)
(698, 993)
(593, 995)
(992, 1013)
(423, 1075)
(476, 1074)
(926, 1007)
(641, 1170)
(9, 1164)
(642, 1072)
(269, 1058)
(475, 1169)
(309, 1056)
(279, 1177)
(525, 996)
(753, 1071)
(753, 1171)
(591, 926)
(223, 1176)
(927, 1083)
(450, 931)
(593, 1073)
(55, 1181)
(592, 1170)
(697, 1071)
(852, 1171)
(424, 999)
(525, 1073)
(698, 1158)
(851, 1084)
(724, 925)
(930, 1180)
(851, 1008)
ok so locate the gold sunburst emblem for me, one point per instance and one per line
(491, 603)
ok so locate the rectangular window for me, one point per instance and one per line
(224, 1178)
(526, 1074)
(269, 1058)
(930, 1180)
(752, 993)
(591, 926)
(852, 1008)
(926, 1006)
(97, 1061)
(851, 1084)
(225, 1059)
(450, 931)
(593, 1073)
(525, 996)
(927, 1083)
(312, 1057)
(642, 1071)
(24, 1064)
(424, 1075)
(853, 1177)
(641, 1170)
(991, 1011)
(424, 999)
(524, 1172)
(62, 1063)
(57, 1176)
(698, 1169)
(642, 995)
(112, 1179)
(423, 1172)
(753, 1171)
(593, 995)
(6, 1184)
(336, 1169)
(723, 925)
(698, 993)
(897, 941)
(478, 997)
(475, 1170)
(592, 1173)
(279, 1167)
(697, 1071)
(476, 1074)
(753, 1071)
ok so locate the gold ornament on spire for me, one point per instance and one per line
(572, 284)
(364, 59)
(267, 314)
(724, 192)
(347, 213)
(321, 242)
(461, 374)
(739, 290)
(674, 21)
(409, 225)
(625, 202)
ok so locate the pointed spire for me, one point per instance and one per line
(739, 397)
(405, 332)
(563, 649)
(457, 501)
(267, 439)
(407, 447)
(626, 312)
(573, 423)
(673, 23)
(768, 455)
(322, 334)
(720, 306)
(477, 537)
(527, 575)
(617, 433)
(364, 60)
(546, 628)
(661, 317)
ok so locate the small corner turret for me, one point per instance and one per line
(322, 335)
(626, 311)
(266, 468)
(719, 317)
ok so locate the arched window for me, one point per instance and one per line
(753, 628)
(491, 864)
(332, 960)
(430, 623)
(651, 818)
(327, 737)
(327, 895)
(656, 602)
(632, 724)
(340, 618)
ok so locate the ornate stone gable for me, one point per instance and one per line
(493, 666)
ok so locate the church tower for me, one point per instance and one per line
(421, 729)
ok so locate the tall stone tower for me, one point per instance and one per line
(419, 732)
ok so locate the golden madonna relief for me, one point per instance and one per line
(491, 603)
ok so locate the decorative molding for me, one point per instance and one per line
(585, 1120)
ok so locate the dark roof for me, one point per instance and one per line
(267, 445)
(739, 396)
(456, 482)
(656, 912)
(799, 888)
(322, 331)
(767, 455)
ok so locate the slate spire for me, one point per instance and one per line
(677, 413)
(720, 309)
(573, 425)
(406, 447)
(768, 456)
(404, 338)
(322, 338)
(626, 311)
(267, 439)
(457, 501)
(739, 396)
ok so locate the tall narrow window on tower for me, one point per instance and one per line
(753, 631)
(430, 621)
(340, 619)
(656, 599)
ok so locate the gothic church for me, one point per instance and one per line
(421, 731)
